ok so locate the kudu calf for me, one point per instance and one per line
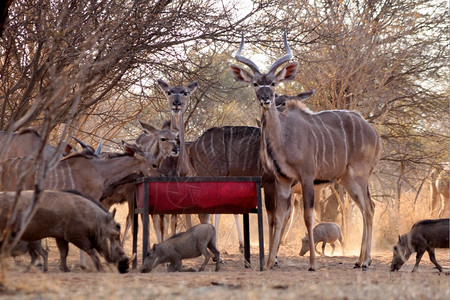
(308, 147)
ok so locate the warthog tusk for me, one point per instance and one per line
(132, 257)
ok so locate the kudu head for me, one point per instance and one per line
(177, 95)
(156, 144)
(264, 83)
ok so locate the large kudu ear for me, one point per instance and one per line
(192, 87)
(241, 75)
(148, 128)
(163, 86)
(69, 148)
(132, 149)
(287, 73)
(303, 96)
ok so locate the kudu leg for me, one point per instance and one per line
(83, 263)
(290, 219)
(159, 226)
(270, 199)
(359, 192)
(216, 225)
(239, 232)
(308, 215)
(281, 211)
(128, 225)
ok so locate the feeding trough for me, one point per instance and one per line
(199, 195)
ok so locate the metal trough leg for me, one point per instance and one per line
(135, 232)
(246, 240)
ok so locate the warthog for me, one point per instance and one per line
(70, 218)
(190, 244)
(34, 248)
(425, 235)
(325, 233)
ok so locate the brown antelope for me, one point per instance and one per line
(308, 147)
(95, 178)
(177, 97)
(439, 187)
(229, 151)
(149, 141)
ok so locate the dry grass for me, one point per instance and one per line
(334, 278)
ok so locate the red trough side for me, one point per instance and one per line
(198, 197)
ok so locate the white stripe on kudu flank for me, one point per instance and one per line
(316, 148)
(333, 147)
(69, 172)
(353, 129)
(53, 177)
(324, 159)
(345, 135)
(224, 145)
(211, 143)
(250, 139)
(361, 131)
(230, 143)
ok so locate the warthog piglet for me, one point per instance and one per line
(190, 244)
(325, 233)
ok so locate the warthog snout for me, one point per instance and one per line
(124, 264)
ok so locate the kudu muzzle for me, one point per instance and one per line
(176, 104)
(265, 95)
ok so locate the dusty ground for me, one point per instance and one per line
(334, 279)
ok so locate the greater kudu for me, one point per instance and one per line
(177, 97)
(308, 147)
(95, 178)
(439, 187)
(150, 141)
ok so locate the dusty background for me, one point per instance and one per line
(334, 279)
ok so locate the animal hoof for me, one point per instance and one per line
(311, 269)
(364, 268)
(356, 266)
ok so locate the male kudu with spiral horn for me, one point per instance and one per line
(297, 144)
